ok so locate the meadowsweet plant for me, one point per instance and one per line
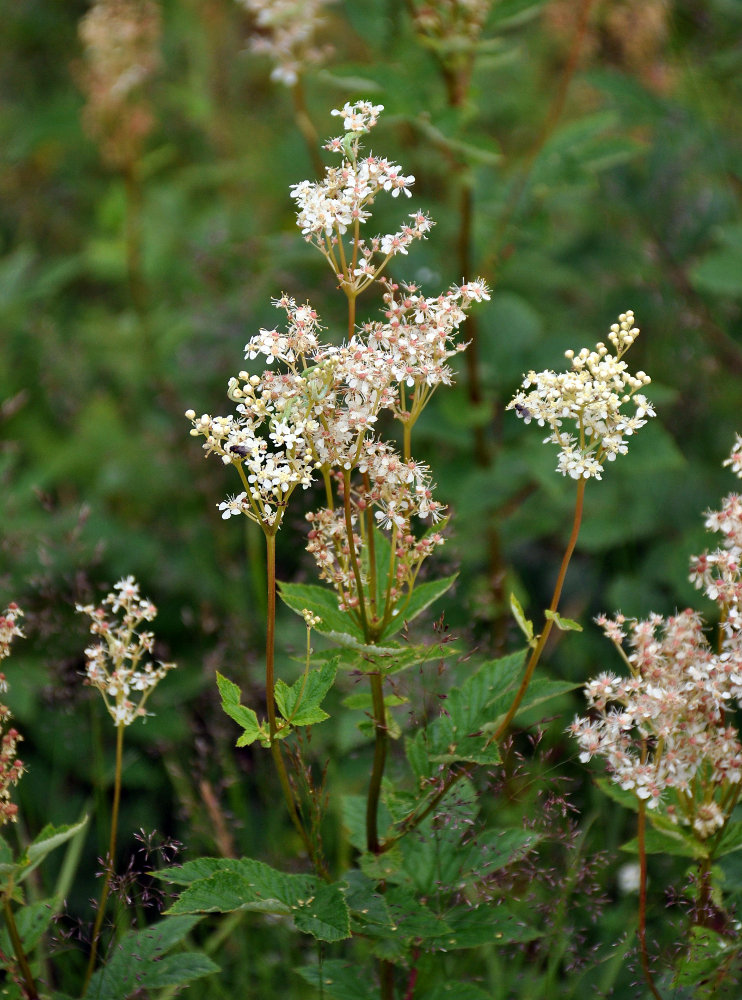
(591, 398)
(118, 666)
(666, 730)
(318, 413)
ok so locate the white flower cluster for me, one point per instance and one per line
(663, 727)
(340, 203)
(116, 664)
(590, 397)
(285, 31)
(317, 404)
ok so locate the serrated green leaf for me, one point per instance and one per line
(460, 733)
(339, 980)
(364, 902)
(672, 842)
(245, 884)
(322, 602)
(48, 840)
(31, 922)
(421, 597)
(135, 962)
(471, 927)
(242, 715)
(565, 624)
(300, 703)
(325, 914)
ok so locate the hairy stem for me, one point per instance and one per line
(111, 861)
(353, 553)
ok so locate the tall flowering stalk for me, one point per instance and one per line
(314, 413)
(118, 667)
(590, 398)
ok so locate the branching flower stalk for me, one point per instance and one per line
(590, 396)
(315, 411)
(118, 667)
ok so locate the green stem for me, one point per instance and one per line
(270, 702)
(30, 991)
(306, 127)
(353, 555)
(381, 739)
(111, 861)
(414, 818)
(642, 930)
(270, 634)
(539, 647)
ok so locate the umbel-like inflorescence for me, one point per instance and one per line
(314, 410)
(11, 768)
(331, 211)
(663, 727)
(118, 664)
(590, 399)
(665, 731)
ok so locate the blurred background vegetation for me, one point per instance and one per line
(583, 157)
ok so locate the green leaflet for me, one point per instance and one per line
(242, 715)
(299, 704)
(458, 734)
(139, 961)
(221, 885)
(48, 840)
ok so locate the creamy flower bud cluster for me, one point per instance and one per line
(121, 54)
(590, 398)
(117, 663)
(285, 32)
(11, 768)
(663, 728)
(340, 203)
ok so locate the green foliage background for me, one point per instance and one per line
(628, 199)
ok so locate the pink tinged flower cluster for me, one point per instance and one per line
(11, 767)
(663, 727)
(341, 202)
(404, 493)
(268, 439)
(589, 399)
(285, 32)
(118, 663)
(718, 572)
